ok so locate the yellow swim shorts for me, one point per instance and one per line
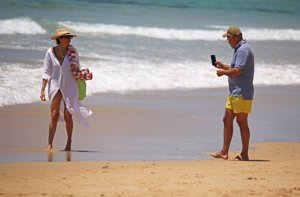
(238, 104)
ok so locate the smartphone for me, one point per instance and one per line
(213, 60)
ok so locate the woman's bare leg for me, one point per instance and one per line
(69, 128)
(54, 110)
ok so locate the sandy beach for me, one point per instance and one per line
(153, 144)
(273, 171)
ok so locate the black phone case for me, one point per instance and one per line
(213, 60)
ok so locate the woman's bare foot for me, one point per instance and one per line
(49, 148)
(219, 155)
(68, 145)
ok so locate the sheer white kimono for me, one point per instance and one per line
(59, 77)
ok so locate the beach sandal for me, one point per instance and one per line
(240, 158)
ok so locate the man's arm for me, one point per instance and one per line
(223, 66)
(233, 72)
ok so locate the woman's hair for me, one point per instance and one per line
(57, 41)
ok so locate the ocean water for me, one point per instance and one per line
(133, 45)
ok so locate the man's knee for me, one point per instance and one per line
(242, 119)
(228, 116)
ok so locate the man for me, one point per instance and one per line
(238, 105)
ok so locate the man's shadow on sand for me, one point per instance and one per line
(259, 160)
(250, 160)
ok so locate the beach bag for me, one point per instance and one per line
(81, 86)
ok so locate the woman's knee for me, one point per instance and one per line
(54, 115)
(55, 106)
(68, 117)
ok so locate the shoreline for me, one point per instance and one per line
(151, 125)
(264, 175)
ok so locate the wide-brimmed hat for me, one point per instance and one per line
(62, 32)
(232, 31)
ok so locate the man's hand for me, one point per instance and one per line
(220, 65)
(220, 73)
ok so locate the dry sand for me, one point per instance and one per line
(273, 171)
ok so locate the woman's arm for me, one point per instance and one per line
(42, 96)
(47, 71)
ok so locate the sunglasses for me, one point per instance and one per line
(67, 37)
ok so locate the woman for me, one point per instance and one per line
(62, 87)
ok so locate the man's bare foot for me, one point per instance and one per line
(219, 155)
(68, 145)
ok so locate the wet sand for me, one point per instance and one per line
(152, 125)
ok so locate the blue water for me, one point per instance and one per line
(146, 45)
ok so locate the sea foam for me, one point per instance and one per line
(135, 75)
(208, 34)
(20, 26)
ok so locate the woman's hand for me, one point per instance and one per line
(42, 96)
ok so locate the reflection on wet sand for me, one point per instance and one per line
(61, 155)
(51, 156)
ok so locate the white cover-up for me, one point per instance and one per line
(59, 77)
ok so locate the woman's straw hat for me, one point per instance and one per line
(62, 32)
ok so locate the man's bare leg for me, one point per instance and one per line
(228, 132)
(242, 120)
